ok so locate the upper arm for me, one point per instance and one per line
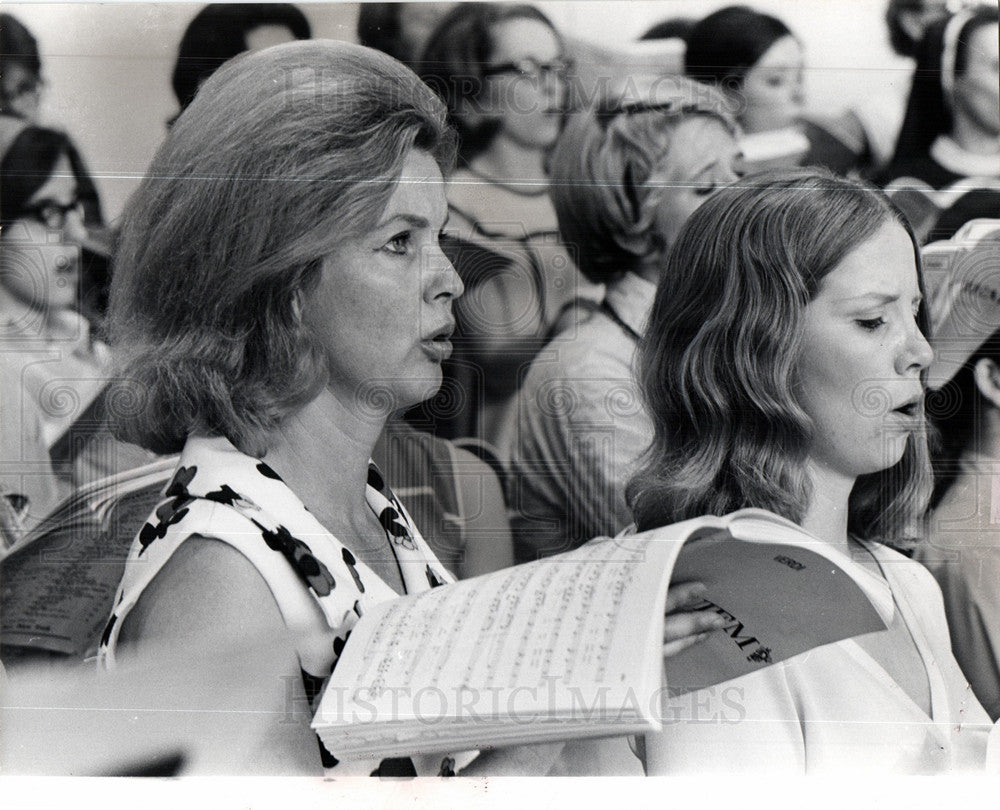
(206, 590)
(208, 605)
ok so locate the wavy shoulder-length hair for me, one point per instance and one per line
(718, 364)
(283, 154)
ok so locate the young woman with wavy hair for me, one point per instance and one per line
(782, 367)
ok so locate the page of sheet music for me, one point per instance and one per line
(513, 641)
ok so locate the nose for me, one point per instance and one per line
(917, 353)
(798, 91)
(73, 228)
(443, 280)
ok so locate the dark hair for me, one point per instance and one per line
(600, 170)
(723, 46)
(928, 110)
(674, 28)
(219, 32)
(379, 27)
(18, 45)
(283, 153)
(457, 54)
(27, 165)
(718, 362)
(900, 39)
(955, 411)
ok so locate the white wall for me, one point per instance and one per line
(108, 66)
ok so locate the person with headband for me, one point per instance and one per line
(782, 367)
(624, 177)
(951, 132)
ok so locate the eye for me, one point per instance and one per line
(870, 324)
(705, 190)
(399, 244)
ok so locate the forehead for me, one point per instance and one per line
(523, 38)
(984, 43)
(698, 141)
(61, 185)
(784, 53)
(883, 264)
(419, 192)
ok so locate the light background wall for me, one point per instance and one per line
(108, 65)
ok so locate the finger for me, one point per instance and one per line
(680, 625)
(682, 594)
(674, 647)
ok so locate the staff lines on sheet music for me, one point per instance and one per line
(488, 627)
(521, 653)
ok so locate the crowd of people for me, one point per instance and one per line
(424, 307)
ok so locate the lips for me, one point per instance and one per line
(910, 409)
(437, 345)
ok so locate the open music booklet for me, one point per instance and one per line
(571, 646)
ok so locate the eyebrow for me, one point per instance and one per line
(410, 219)
(880, 298)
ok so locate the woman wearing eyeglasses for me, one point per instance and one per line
(52, 367)
(501, 71)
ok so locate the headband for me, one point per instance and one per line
(949, 53)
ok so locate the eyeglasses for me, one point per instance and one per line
(532, 69)
(52, 214)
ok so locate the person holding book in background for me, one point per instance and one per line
(275, 301)
(502, 70)
(625, 177)
(782, 368)
(961, 545)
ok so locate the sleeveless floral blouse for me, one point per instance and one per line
(220, 493)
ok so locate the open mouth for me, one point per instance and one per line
(909, 409)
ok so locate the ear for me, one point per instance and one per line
(912, 23)
(987, 376)
(474, 112)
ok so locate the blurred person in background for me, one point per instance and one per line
(952, 126)
(756, 60)
(502, 71)
(54, 367)
(220, 31)
(961, 546)
(625, 177)
(400, 29)
(21, 90)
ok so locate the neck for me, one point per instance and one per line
(972, 138)
(826, 517)
(987, 434)
(322, 453)
(506, 160)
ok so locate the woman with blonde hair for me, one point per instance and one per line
(625, 177)
(783, 369)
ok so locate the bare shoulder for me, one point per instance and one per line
(207, 589)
